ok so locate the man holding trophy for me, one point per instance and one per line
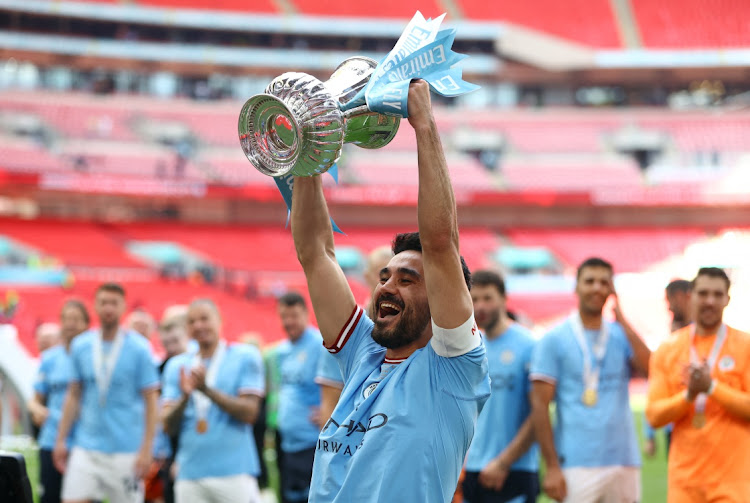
(415, 375)
(415, 378)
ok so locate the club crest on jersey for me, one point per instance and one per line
(507, 357)
(726, 363)
(302, 356)
(368, 390)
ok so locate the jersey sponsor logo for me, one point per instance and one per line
(503, 381)
(334, 446)
(726, 363)
(368, 390)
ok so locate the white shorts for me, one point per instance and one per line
(231, 489)
(604, 484)
(93, 475)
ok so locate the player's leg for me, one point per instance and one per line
(49, 477)
(82, 479)
(232, 489)
(624, 486)
(586, 485)
(121, 483)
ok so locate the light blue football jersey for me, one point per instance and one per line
(509, 358)
(227, 447)
(52, 382)
(585, 436)
(401, 429)
(117, 424)
(329, 372)
(299, 395)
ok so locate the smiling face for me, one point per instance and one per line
(593, 287)
(203, 324)
(709, 297)
(402, 314)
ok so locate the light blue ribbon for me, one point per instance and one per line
(285, 185)
(422, 52)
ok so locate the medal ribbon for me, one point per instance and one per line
(721, 336)
(201, 401)
(590, 372)
(104, 365)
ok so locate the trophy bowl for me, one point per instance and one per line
(297, 126)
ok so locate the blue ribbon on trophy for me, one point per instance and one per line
(299, 125)
(422, 52)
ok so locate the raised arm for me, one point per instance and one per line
(641, 353)
(331, 296)
(447, 293)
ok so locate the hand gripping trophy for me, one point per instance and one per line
(300, 124)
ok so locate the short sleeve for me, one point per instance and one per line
(526, 362)
(465, 377)
(328, 372)
(40, 383)
(149, 375)
(76, 360)
(545, 363)
(252, 376)
(354, 342)
(170, 382)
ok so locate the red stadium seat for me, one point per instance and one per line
(682, 24)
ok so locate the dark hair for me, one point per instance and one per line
(410, 241)
(678, 285)
(77, 304)
(290, 299)
(711, 272)
(593, 262)
(485, 277)
(111, 287)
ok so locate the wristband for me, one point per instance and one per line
(712, 387)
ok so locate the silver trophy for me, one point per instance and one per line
(297, 125)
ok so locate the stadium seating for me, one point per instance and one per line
(682, 24)
(260, 6)
(629, 250)
(570, 175)
(589, 22)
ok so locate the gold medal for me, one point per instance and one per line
(590, 397)
(699, 420)
(201, 426)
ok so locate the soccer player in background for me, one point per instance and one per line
(47, 335)
(677, 294)
(678, 299)
(114, 385)
(699, 381)
(328, 377)
(585, 365)
(299, 397)
(211, 398)
(174, 339)
(503, 460)
(142, 322)
(415, 377)
(50, 387)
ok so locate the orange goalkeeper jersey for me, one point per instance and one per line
(719, 451)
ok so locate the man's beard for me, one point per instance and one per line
(408, 329)
(493, 320)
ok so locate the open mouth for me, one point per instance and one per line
(388, 310)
